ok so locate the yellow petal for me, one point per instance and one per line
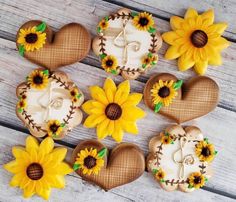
(58, 154)
(88, 106)
(98, 94)
(63, 169)
(45, 193)
(46, 146)
(172, 53)
(19, 152)
(185, 62)
(191, 13)
(28, 191)
(14, 167)
(133, 99)
(130, 127)
(132, 113)
(219, 28)
(200, 67)
(117, 134)
(219, 43)
(110, 127)
(208, 17)
(16, 180)
(122, 92)
(31, 143)
(56, 181)
(102, 129)
(176, 22)
(110, 89)
(214, 56)
(170, 37)
(94, 119)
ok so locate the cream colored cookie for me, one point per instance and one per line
(180, 158)
(127, 43)
(49, 103)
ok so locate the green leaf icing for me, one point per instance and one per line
(178, 84)
(154, 171)
(106, 18)
(206, 140)
(113, 71)
(21, 50)
(157, 107)
(99, 29)
(134, 14)
(190, 186)
(102, 152)
(46, 72)
(152, 30)
(149, 55)
(63, 125)
(20, 110)
(144, 66)
(41, 27)
(215, 152)
(79, 95)
(76, 167)
(162, 180)
(206, 179)
(102, 56)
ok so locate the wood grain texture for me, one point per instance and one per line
(89, 13)
(225, 10)
(216, 123)
(143, 189)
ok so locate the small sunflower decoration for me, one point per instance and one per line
(38, 167)
(166, 138)
(143, 21)
(163, 93)
(149, 60)
(38, 79)
(196, 41)
(103, 24)
(113, 110)
(55, 128)
(196, 180)
(31, 38)
(159, 174)
(90, 161)
(109, 63)
(21, 105)
(75, 95)
(205, 151)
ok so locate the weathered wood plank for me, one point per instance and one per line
(219, 125)
(225, 11)
(143, 189)
(88, 13)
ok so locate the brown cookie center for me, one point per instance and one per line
(34, 171)
(197, 180)
(31, 38)
(199, 38)
(113, 111)
(72, 93)
(38, 79)
(90, 162)
(143, 21)
(164, 92)
(54, 128)
(109, 63)
(206, 152)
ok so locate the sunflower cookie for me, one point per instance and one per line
(38, 167)
(196, 41)
(38, 43)
(179, 158)
(113, 110)
(127, 43)
(124, 164)
(165, 94)
(49, 103)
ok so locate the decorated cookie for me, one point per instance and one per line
(195, 41)
(38, 167)
(165, 94)
(124, 164)
(127, 43)
(38, 43)
(180, 158)
(113, 110)
(49, 103)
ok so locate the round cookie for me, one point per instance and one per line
(179, 158)
(49, 103)
(127, 43)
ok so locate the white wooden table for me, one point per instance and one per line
(219, 125)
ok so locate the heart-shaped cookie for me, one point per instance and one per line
(180, 158)
(195, 98)
(69, 45)
(124, 164)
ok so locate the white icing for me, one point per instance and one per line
(132, 34)
(38, 101)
